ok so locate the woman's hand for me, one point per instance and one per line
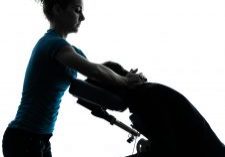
(135, 78)
(132, 77)
(142, 77)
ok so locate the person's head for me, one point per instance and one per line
(116, 67)
(128, 95)
(66, 15)
(122, 93)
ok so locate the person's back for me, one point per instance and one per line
(172, 123)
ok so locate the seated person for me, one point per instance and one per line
(173, 126)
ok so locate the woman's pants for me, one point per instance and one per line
(20, 143)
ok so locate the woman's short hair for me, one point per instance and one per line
(48, 5)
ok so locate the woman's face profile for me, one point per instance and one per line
(71, 17)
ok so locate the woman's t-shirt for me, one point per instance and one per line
(45, 82)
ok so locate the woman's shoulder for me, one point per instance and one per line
(49, 41)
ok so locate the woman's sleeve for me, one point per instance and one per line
(57, 44)
(79, 52)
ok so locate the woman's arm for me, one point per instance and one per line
(98, 72)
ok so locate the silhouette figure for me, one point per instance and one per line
(172, 125)
(53, 64)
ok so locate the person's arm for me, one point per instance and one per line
(116, 67)
(98, 72)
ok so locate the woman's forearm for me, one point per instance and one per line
(107, 76)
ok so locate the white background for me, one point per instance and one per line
(180, 43)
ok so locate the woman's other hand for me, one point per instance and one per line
(135, 78)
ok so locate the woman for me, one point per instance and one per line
(52, 66)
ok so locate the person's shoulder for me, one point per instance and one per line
(51, 37)
(55, 40)
(50, 43)
(155, 88)
(155, 85)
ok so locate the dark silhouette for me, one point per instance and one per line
(53, 64)
(172, 125)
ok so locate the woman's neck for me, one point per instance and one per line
(59, 30)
